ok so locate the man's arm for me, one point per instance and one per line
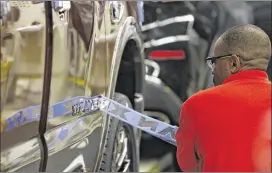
(185, 138)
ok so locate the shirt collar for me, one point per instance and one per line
(247, 74)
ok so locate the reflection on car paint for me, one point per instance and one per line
(12, 156)
(61, 135)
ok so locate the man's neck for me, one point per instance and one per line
(247, 74)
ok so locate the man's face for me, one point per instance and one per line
(222, 66)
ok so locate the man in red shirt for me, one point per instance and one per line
(228, 127)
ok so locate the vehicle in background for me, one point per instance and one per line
(178, 40)
(162, 104)
(96, 50)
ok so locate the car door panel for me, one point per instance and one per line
(81, 67)
(78, 70)
(22, 60)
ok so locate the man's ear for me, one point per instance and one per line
(235, 64)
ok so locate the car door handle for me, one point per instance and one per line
(116, 11)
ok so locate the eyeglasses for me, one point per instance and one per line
(211, 60)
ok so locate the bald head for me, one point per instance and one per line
(249, 42)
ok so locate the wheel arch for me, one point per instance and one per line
(128, 34)
(128, 42)
(129, 52)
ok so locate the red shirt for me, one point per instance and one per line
(228, 127)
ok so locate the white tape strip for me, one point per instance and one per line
(85, 106)
(150, 125)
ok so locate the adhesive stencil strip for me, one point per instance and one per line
(80, 106)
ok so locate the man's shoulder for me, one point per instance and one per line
(200, 102)
(204, 95)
